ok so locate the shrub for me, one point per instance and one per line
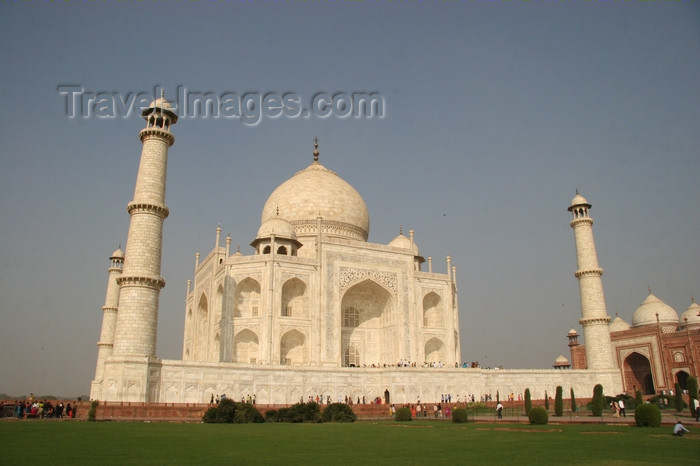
(225, 412)
(272, 416)
(300, 412)
(229, 412)
(528, 401)
(403, 414)
(665, 401)
(574, 408)
(598, 401)
(460, 416)
(678, 398)
(338, 412)
(647, 415)
(538, 415)
(246, 413)
(692, 385)
(559, 402)
(93, 410)
(638, 400)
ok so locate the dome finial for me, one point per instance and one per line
(316, 149)
(649, 290)
(401, 230)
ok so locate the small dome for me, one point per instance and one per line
(572, 333)
(117, 254)
(618, 325)
(646, 313)
(278, 227)
(160, 102)
(561, 361)
(692, 314)
(404, 242)
(579, 200)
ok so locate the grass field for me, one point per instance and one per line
(41, 442)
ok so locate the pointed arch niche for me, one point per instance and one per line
(435, 351)
(202, 324)
(246, 298)
(372, 332)
(218, 304)
(433, 311)
(294, 302)
(245, 347)
(637, 374)
(293, 351)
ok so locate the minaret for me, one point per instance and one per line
(141, 282)
(109, 321)
(594, 315)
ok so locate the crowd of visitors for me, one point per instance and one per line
(434, 364)
(38, 409)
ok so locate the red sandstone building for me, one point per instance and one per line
(655, 352)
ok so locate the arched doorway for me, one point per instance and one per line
(682, 379)
(367, 324)
(637, 373)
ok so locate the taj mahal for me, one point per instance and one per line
(316, 309)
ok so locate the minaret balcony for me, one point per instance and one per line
(154, 131)
(160, 210)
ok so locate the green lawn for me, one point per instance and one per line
(46, 442)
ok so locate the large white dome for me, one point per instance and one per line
(647, 311)
(319, 192)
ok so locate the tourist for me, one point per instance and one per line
(696, 406)
(679, 429)
(499, 410)
(621, 406)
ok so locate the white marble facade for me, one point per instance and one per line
(324, 297)
(316, 309)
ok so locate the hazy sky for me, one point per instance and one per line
(495, 112)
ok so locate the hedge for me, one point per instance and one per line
(647, 415)
(538, 415)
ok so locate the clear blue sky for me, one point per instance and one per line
(495, 113)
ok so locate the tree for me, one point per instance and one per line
(546, 401)
(559, 402)
(638, 399)
(692, 385)
(528, 401)
(598, 401)
(574, 408)
(678, 397)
